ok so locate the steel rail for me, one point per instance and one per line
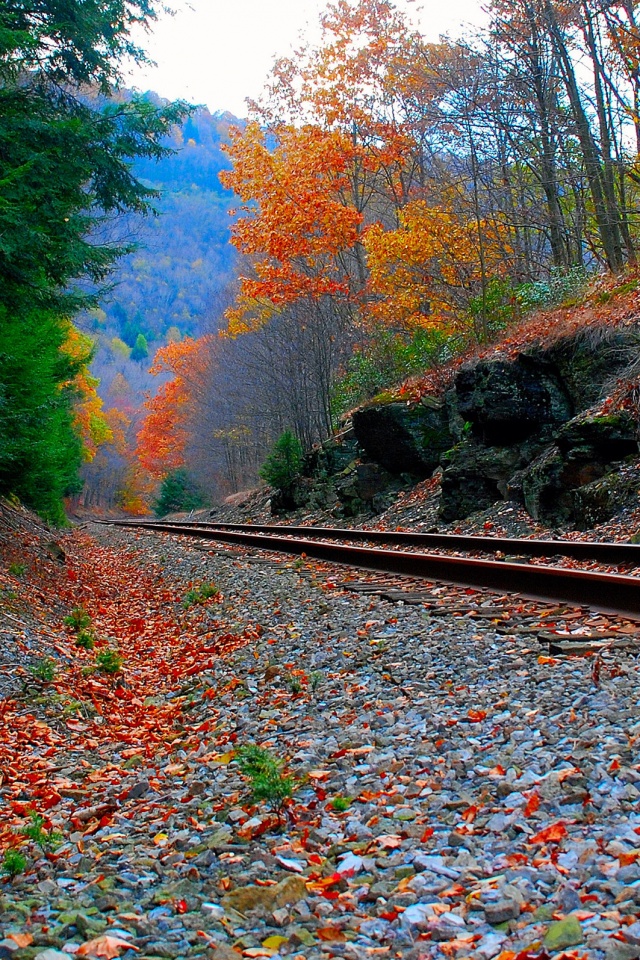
(605, 552)
(605, 592)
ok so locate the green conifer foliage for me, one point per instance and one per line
(67, 140)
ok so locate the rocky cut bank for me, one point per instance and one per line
(545, 427)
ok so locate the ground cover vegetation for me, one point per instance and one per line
(399, 201)
(67, 141)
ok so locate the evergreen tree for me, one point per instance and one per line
(67, 141)
(140, 349)
(282, 467)
(178, 492)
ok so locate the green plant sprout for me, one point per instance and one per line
(268, 784)
(199, 595)
(78, 619)
(43, 838)
(13, 863)
(109, 661)
(43, 670)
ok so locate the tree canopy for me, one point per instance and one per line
(67, 142)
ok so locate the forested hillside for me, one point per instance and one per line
(184, 258)
(173, 285)
(401, 203)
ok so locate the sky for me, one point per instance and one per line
(219, 52)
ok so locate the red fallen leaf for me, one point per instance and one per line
(614, 765)
(552, 834)
(331, 934)
(104, 946)
(497, 771)
(181, 906)
(532, 804)
(625, 859)
(326, 882)
(476, 716)
(470, 813)
(532, 955)
(427, 834)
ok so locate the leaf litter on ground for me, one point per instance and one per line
(493, 792)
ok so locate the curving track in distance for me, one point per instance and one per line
(606, 592)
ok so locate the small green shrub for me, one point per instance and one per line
(86, 639)
(199, 595)
(78, 619)
(109, 661)
(268, 784)
(43, 838)
(43, 670)
(282, 467)
(316, 679)
(17, 569)
(386, 358)
(340, 804)
(294, 684)
(561, 285)
(13, 863)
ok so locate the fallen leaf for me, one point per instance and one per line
(331, 934)
(552, 834)
(105, 946)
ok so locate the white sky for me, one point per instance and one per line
(219, 52)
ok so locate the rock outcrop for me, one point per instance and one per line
(531, 428)
(404, 437)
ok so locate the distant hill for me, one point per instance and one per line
(174, 284)
(184, 258)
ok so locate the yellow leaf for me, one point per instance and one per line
(274, 942)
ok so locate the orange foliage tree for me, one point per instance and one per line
(296, 227)
(164, 433)
(424, 271)
(91, 422)
(336, 158)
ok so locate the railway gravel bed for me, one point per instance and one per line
(458, 793)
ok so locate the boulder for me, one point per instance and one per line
(589, 362)
(365, 486)
(475, 476)
(506, 401)
(404, 438)
(564, 486)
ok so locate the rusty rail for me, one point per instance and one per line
(605, 552)
(606, 592)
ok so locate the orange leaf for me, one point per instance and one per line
(476, 715)
(626, 859)
(22, 939)
(332, 934)
(105, 946)
(532, 805)
(553, 834)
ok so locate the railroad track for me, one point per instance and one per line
(605, 592)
